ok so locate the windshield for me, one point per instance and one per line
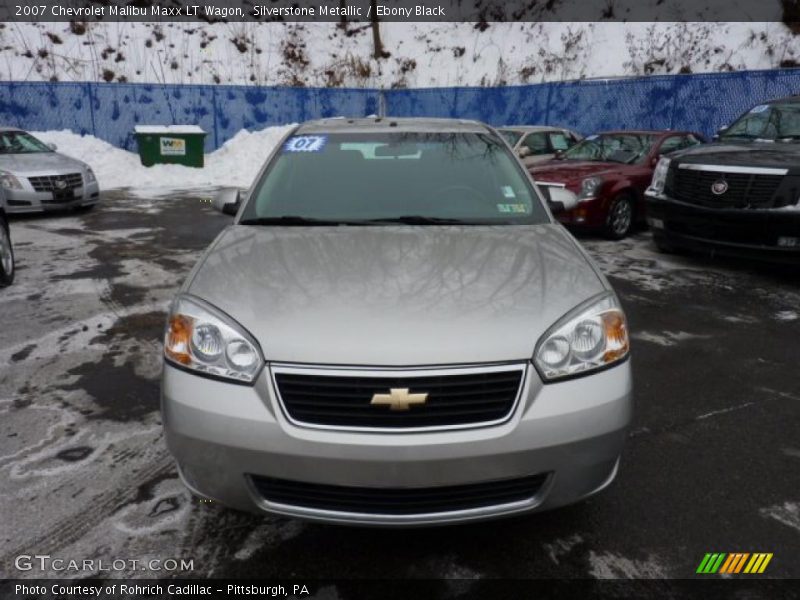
(19, 142)
(512, 137)
(767, 121)
(382, 178)
(625, 148)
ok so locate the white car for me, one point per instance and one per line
(535, 144)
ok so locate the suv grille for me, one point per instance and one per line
(343, 400)
(398, 501)
(745, 190)
(49, 183)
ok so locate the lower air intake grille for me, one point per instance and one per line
(398, 501)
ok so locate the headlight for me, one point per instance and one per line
(201, 338)
(8, 181)
(589, 187)
(89, 176)
(592, 336)
(660, 175)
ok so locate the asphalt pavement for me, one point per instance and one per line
(712, 463)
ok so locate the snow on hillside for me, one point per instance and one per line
(418, 54)
(234, 164)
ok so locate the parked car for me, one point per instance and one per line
(535, 144)
(739, 195)
(36, 178)
(397, 341)
(6, 249)
(610, 172)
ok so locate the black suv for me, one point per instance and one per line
(739, 195)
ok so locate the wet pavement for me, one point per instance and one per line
(712, 463)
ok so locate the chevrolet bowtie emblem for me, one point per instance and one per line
(399, 399)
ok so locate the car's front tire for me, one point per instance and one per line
(619, 221)
(7, 266)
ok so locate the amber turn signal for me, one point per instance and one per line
(179, 335)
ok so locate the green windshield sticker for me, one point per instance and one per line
(508, 191)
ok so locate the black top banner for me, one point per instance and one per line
(477, 11)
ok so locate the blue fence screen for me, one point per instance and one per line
(701, 102)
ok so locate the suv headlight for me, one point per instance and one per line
(89, 176)
(660, 176)
(590, 187)
(204, 339)
(592, 336)
(9, 181)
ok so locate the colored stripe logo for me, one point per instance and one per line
(734, 563)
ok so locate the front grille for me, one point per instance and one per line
(50, 183)
(398, 501)
(745, 190)
(453, 399)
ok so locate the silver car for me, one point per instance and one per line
(395, 331)
(35, 178)
(538, 143)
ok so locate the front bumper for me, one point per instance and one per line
(29, 201)
(221, 434)
(772, 235)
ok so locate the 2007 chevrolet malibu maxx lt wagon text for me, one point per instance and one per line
(395, 331)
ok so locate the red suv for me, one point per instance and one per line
(610, 172)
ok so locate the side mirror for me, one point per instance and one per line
(655, 159)
(227, 201)
(720, 131)
(523, 151)
(559, 198)
(52, 147)
(559, 154)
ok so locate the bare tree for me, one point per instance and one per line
(378, 51)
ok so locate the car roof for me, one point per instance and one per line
(646, 132)
(390, 125)
(526, 128)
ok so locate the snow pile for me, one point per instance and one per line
(234, 164)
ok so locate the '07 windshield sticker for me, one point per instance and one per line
(305, 143)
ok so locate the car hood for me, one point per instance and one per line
(752, 154)
(40, 162)
(569, 171)
(396, 296)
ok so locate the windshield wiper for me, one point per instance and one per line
(416, 220)
(292, 221)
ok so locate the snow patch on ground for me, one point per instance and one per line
(562, 547)
(787, 315)
(666, 338)
(235, 164)
(787, 513)
(613, 566)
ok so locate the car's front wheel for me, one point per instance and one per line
(6, 254)
(619, 221)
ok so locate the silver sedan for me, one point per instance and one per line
(36, 178)
(395, 331)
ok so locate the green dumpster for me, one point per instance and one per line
(170, 144)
